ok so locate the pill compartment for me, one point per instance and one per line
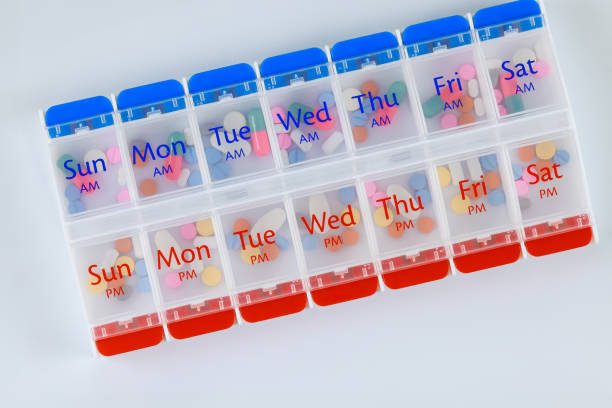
(549, 183)
(86, 157)
(302, 106)
(162, 149)
(263, 261)
(475, 191)
(231, 122)
(451, 83)
(117, 294)
(407, 227)
(187, 268)
(519, 56)
(374, 91)
(335, 245)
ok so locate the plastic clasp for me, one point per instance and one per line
(294, 68)
(79, 116)
(148, 100)
(222, 84)
(507, 19)
(365, 52)
(436, 35)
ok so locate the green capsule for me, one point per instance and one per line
(62, 160)
(176, 141)
(256, 120)
(433, 106)
(399, 89)
(295, 107)
(514, 103)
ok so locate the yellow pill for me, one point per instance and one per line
(211, 276)
(444, 176)
(459, 205)
(356, 215)
(205, 227)
(125, 260)
(250, 255)
(97, 289)
(380, 218)
(545, 150)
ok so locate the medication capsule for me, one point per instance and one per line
(295, 156)
(517, 171)
(522, 188)
(332, 142)
(284, 141)
(542, 69)
(508, 86)
(399, 89)
(272, 220)
(125, 260)
(62, 160)
(467, 104)
(188, 231)
(348, 194)
(561, 157)
(212, 155)
(140, 268)
(522, 55)
(179, 139)
(377, 198)
(466, 119)
(195, 179)
(400, 193)
(190, 155)
(297, 110)
(124, 245)
(188, 136)
(296, 135)
(144, 285)
(277, 113)
(499, 96)
(370, 188)
(76, 206)
(433, 106)
(488, 162)
(448, 120)
(183, 177)
(72, 192)
(175, 164)
(220, 171)
(318, 206)
(424, 195)
(514, 103)
(210, 242)
(479, 108)
(261, 144)
(165, 242)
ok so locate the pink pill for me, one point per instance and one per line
(448, 120)
(467, 72)
(499, 96)
(542, 69)
(284, 141)
(173, 280)
(113, 155)
(528, 178)
(276, 111)
(189, 231)
(502, 110)
(123, 196)
(508, 86)
(522, 188)
(260, 142)
(376, 197)
(370, 188)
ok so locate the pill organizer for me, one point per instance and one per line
(320, 176)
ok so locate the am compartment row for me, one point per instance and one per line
(243, 122)
(194, 275)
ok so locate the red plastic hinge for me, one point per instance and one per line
(337, 287)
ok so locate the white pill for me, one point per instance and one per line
(272, 220)
(473, 88)
(183, 177)
(188, 136)
(110, 257)
(300, 140)
(210, 241)
(523, 55)
(351, 103)
(234, 120)
(456, 172)
(543, 51)
(121, 177)
(95, 154)
(279, 128)
(220, 143)
(318, 206)
(474, 168)
(164, 241)
(137, 248)
(494, 64)
(400, 193)
(332, 142)
(479, 107)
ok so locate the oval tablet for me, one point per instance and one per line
(332, 142)
(401, 193)
(234, 120)
(123, 245)
(210, 242)
(301, 140)
(350, 102)
(93, 155)
(164, 241)
(318, 207)
(360, 134)
(522, 55)
(272, 220)
(473, 88)
(444, 176)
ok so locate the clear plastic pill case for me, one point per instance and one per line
(319, 176)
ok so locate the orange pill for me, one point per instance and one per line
(360, 134)
(426, 225)
(541, 164)
(271, 251)
(148, 187)
(138, 161)
(350, 236)
(472, 195)
(526, 153)
(467, 104)
(370, 87)
(123, 245)
(466, 119)
(241, 224)
(396, 230)
(115, 283)
(333, 244)
(492, 180)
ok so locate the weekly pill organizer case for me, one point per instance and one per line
(320, 176)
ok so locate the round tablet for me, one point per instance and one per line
(448, 120)
(351, 103)
(271, 251)
(282, 243)
(144, 285)
(360, 134)
(172, 280)
(249, 255)
(444, 176)
(356, 216)
(369, 87)
(72, 192)
(350, 236)
(113, 155)
(522, 55)
(542, 164)
(522, 188)
(125, 295)
(528, 178)
(561, 157)
(242, 224)
(333, 245)
(140, 268)
(488, 162)
(426, 225)
(125, 260)
(541, 68)
(348, 194)
(123, 195)
(417, 181)
(503, 111)
(188, 231)
(545, 150)
(137, 160)
(466, 119)
(492, 180)
(115, 283)
(284, 141)
(326, 98)
(395, 230)
(467, 72)
(123, 245)
(234, 120)
(376, 197)
(524, 203)
(277, 113)
(370, 188)
(499, 96)
(97, 288)
(517, 171)
(205, 227)
(497, 197)
(467, 104)
(459, 205)
(424, 196)
(526, 153)
(380, 217)
(211, 276)
(213, 155)
(309, 242)
(148, 187)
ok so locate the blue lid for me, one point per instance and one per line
(435, 29)
(81, 109)
(292, 61)
(148, 94)
(368, 44)
(504, 13)
(221, 77)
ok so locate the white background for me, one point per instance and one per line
(534, 334)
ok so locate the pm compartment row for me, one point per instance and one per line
(238, 123)
(196, 274)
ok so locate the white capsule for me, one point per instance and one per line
(210, 241)
(284, 157)
(479, 107)
(398, 192)
(234, 120)
(137, 248)
(522, 55)
(300, 140)
(318, 206)
(456, 171)
(350, 102)
(494, 64)
(188, 136)
(474, 168)
(272, 220)
(165, 242)
(220, 143)
(121, 177)
(473, 88)
(543, 51)
(93, 155)
(183, 177)
(332, 142)
(110, 257)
